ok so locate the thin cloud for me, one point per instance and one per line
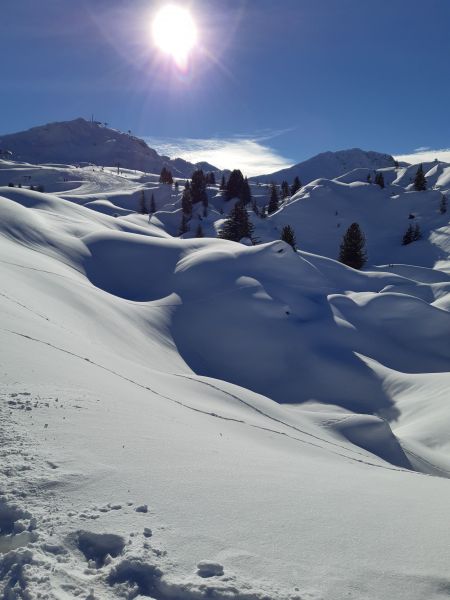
(247, 154)
(422, 155)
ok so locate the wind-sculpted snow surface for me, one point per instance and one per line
(195, 418)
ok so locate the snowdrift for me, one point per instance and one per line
(197, 418)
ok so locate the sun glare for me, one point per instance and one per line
(175, 33)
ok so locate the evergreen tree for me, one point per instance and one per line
(246, 194)
(166, 176)
(379, 179)
(420, 181)
(408, 236)
(184, 228)
(199, 231)
(255, 207)
(297, 185)
(273, 202)
(142, 204)
(152, 205)
(288, 236)
(284, 190)
(223, 183)
(352, 249)
(186, 201)
(238, 225)
(211, 178)
(198, 187)
(369, 178)
(234, 185)
(417, 234)
(443, 204)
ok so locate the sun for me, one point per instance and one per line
(175, 33)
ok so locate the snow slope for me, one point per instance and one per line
(143, 452)
(329, 165)
(80, 141)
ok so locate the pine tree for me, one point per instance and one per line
(186, 201)
(184, 228)
(211, 178)
(288, 236)
(246, 194)
(223, 183)
(297, 185)
(152, 205)
(255, 207)
(238, 225)
(198, 187)
(273, 202)
(379, 179)
(142, 204)
(408, 236)
(165, 176)
(234, 185)
(420, 181)
(443, 204)
(417, 234)
(199, 231)
(284, 190)
(352, 249)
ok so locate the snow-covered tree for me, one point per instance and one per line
(353, 247)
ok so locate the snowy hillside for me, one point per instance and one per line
(330, 165)
(189, 418)
(81, 141)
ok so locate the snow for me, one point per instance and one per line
(195, 418)
(330, 165)
(81, 142)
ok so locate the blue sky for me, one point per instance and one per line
(272, 81)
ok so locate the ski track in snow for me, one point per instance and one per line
(199, 380)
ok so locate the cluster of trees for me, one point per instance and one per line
(412, 234)
(33, 188)
(166, 176)
(237, 186)
(144, 208)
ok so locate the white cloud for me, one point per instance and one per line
(247, 154)
(425, 155)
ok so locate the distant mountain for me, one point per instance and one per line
(330, 165)
(80, 141)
